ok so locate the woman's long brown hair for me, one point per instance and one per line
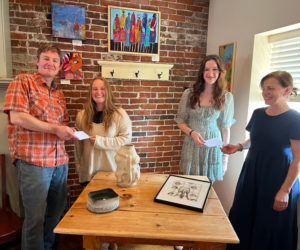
(90, 108)
(219, 85)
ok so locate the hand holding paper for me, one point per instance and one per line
(81, 135)
(213, 142)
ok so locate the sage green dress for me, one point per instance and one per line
(206, 120)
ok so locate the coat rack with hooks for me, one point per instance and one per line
(130, 70)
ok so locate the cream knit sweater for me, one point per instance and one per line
(100, 157)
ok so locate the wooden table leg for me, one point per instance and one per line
(209, 246)
(91, 242)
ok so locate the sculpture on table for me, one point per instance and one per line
(128, 168)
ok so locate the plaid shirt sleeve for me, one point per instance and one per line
(17, 98)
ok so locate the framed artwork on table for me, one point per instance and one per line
(68, 21)
(227, 54)
(71, 66)
(184, 192)
(133, 31)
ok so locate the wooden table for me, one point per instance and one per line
(140, 220)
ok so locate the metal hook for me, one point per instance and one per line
(112, 73)
(137, 74)
(159, 75)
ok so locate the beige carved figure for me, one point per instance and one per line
(128, 168)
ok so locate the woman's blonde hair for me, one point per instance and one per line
(90, 107)
(219, 86)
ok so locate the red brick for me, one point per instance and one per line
(158, 89)
(28, 1)
(167, 60)
(157, 154)
(148, 106)
(17, 36)
(146, 139)
(177, 18)
(141, 89)
(155, 144)
(156, 122)
(141, 112)
(164, 107)
(158, 3)
(99, 35)
(145, 150)
(156, 101)
(128, 95)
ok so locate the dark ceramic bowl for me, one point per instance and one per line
(102, 201)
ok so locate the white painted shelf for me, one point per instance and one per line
(4, 82)
(139, 71)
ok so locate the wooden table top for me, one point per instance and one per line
(139, 217)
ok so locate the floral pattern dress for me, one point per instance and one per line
(206, 120)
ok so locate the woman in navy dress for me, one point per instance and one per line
(264, 211)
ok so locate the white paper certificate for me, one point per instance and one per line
(213, 142)
(81, 135)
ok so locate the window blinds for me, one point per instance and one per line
(285, 55)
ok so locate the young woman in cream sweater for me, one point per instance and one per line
(109, 128)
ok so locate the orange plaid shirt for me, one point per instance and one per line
(29, 93)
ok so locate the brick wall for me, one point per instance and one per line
(151, 105)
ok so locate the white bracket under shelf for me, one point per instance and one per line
(139, 71)
(4, 82)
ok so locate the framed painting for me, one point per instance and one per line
(68, 21)
(71, 66)
(184, 192)
(227, 54)
(133, 31)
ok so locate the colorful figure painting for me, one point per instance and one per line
(227, 54)
(133, 31)
(72, 66)
(68, 21)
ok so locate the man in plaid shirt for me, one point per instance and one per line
(37, 129)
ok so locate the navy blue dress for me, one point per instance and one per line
(257, 225)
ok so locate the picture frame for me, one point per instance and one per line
(71, 66)
(68, 21)
(184, 192)
(133, 31)
(227, 54)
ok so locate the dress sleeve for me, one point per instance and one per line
(226, 116)
(252, 120)
(294, 131)
(123, 133)
(183, 107)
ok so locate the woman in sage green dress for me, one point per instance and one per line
(205, 112)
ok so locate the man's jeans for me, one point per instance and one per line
(44, 193)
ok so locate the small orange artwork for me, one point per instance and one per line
(72, 66)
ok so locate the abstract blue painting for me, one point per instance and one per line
(68, 21)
